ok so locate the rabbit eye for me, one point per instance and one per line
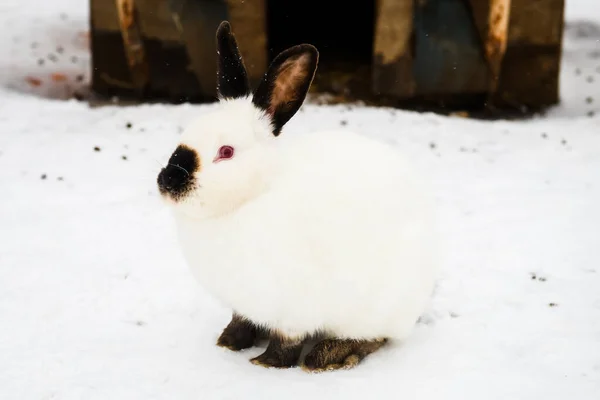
(225, 152)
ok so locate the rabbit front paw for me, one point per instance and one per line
(239, 334)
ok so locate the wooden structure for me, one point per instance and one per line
(165, 49)
(458, 53)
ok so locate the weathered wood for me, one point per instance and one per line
(531, 66)
(176, 53)
(425, 49)
(536, 22)
(491, 18)
(110, 73)
(132, 42)
(174, 40)
(392, 58)
(249, 22)
(501, 52)
(530, 78)
(197, 21)
(497, 38)
(173, 76)
(448, 56)
(158, 20)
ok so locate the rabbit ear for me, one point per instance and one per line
(232, 79)
(285, 85)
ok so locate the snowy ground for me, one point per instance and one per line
(97, 303)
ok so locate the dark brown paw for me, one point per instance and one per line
(279, 354)
(314, 365)
(271, 361)
(334, 354)
(238, 335)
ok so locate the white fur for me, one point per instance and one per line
(328, 231)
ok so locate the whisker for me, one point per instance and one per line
(181, 168)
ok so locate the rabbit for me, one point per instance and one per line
(325, 235)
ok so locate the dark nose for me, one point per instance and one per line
(173, 179)
(177, 177)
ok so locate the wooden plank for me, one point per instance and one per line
(132, 43)
(536, 22)
(491, 18)
(481, 11)
(156, 21)
(104, 16)
(197, 22)
(172, 75)
(529, 78)
(110, 72)
(249, 23)
(449, 58)
(392, 55)
(531, 66)
(497, 35)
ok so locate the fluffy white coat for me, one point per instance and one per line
(328, 231)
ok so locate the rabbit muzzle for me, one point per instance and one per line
(177, 178)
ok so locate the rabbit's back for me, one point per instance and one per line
(368, 221)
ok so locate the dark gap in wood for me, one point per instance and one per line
(342, 32)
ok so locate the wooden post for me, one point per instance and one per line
(491, 18)
(495, 44)
(111, 75)
(392, 58)
(530, 68)
(249, 23)
(132, 42)
(449, 59)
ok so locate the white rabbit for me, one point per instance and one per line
(327, 233)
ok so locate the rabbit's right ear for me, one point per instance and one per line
(232, 79)
(285, 85)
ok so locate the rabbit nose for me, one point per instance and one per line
(173, 179)
(178, 176)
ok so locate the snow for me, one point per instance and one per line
(97, 303)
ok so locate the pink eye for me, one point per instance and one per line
(225, 152)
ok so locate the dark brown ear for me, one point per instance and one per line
(232, 79)
(285, 85)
